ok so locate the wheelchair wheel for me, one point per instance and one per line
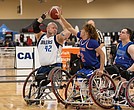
(72, 90)
(130, 92)
(102, 90)
(75, 90)
(30, 87)
(59, 79)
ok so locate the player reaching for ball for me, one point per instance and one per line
(49, 44)
(89, 46)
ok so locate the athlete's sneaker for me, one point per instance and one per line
(88, 99)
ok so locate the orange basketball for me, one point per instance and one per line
(53, 11)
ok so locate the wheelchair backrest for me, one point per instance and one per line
(75, 63)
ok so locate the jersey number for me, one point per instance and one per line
(48, 48)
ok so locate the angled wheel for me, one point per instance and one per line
(77, 92)
(102, 90)
(30, 87)
(72, 91)
(130, 92)
(59, 79)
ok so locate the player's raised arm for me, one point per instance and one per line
(36, 25)
(68, 26)
(64, 35)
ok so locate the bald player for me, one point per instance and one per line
(49, 44)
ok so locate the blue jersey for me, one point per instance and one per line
(122, 57)
(88, 53)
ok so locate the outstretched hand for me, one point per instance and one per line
(59, 14)
(99, 72)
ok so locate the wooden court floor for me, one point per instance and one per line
(11, 93)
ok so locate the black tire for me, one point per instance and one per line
(29, 87)
(59, 79)
(69, 88)
(101, 88)
(130, 92)
(66, 105)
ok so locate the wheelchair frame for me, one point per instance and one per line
(108, 94)
(37, 94)
(74, 91)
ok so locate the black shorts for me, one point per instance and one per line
(113, 69)
(120, 71)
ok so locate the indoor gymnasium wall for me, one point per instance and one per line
(109, 15)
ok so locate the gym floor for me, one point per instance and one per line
(11, 92)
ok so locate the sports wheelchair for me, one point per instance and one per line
(108, 94)
(77, 90)
(36, 88)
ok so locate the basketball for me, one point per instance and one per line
(53, 11)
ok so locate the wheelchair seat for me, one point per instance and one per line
(75, 63)
(42, 79)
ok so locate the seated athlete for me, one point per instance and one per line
(124, 59)
(49, 44)
(89, 46)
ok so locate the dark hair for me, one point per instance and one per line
(91, 31)
(22, 35)
(130, 32)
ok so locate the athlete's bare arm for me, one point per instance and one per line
(131, 52)
(64, 35)
(36, 25)
(102, 58)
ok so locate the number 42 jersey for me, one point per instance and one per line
(49, 50)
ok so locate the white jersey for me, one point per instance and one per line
(49, 50)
